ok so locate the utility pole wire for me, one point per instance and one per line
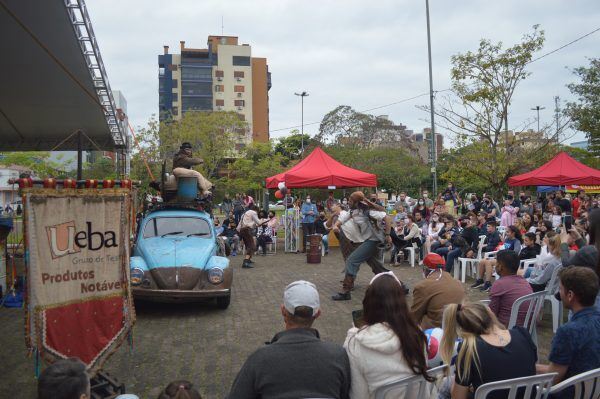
(448, 89)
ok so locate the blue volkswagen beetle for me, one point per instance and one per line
(178, 257)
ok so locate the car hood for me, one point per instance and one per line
(177, 251)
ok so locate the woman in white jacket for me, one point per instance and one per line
(390, 345)
(432, 231)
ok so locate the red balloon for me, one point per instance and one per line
(278, 194)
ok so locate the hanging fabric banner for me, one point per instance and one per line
(79, 302)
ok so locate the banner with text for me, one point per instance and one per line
(78, 301)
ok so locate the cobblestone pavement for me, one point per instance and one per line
(206, 345)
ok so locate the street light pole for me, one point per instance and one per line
(433, 138)
(302, 95)
(538, 109)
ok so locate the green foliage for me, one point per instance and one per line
(290, 146)
(396, 169)
(103, 168)
(213, 135)
(586, 157)
(38, 162)
(585, 113)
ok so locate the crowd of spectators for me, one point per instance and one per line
(387, 341)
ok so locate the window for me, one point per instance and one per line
(196, 104)
(172, 67)
(161, 71)
(238, 74)
(175, 111)
(177, 226)
(196, 88)
(219, 74)
(220, 103)
(161, 84)
(241, 60)
(219, 88)
(188, 73)
(238, 89)
(239, 103)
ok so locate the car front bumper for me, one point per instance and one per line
(177, 295)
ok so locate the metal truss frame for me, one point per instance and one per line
(84, 34)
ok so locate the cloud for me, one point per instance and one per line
(363, 54)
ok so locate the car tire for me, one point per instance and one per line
(223, 301)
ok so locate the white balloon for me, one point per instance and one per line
(281, 185)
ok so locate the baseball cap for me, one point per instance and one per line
(301, 293)
(186, 145)
(434, 261)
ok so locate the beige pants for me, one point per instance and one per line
(204, 184)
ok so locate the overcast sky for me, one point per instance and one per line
(359, 53)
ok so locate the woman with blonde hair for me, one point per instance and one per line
(550, 262)
(488, 351)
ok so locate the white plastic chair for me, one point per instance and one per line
(556, 305)
(414, 384)
(536, 301)
(461, 264)
(411, 254)
(272, 246)
(526, 263)
(535, 384)
(502, 232)
(585, 385)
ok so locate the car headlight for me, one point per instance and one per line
(136, 274)
(215, 275)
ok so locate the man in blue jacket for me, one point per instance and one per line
(309, 212)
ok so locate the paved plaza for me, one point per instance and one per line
(206, 345)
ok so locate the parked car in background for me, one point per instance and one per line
(177, 256)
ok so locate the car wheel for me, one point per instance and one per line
(223, 301)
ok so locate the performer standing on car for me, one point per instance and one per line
(182, 167)
(373, 229)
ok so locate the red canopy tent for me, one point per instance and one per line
(319, 170)
(562, 170)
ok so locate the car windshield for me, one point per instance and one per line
(180, 226)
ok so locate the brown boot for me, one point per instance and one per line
(347, 286)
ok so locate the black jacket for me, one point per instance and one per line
(491, 241)
(530, 252)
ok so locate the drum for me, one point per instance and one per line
(313, 255)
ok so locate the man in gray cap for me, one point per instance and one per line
(296, 363)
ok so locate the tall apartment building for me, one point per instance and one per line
(423, 141)
(222, 77)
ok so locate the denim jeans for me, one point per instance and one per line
(364, 252)
(325, 240)
(453, 254)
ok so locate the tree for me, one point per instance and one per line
(215, 137)
(103, 168)
(396, 168)
(346, 127)
(585, 113)
(291, 146)
(483, 85)
(146, 151)
(38, 162)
